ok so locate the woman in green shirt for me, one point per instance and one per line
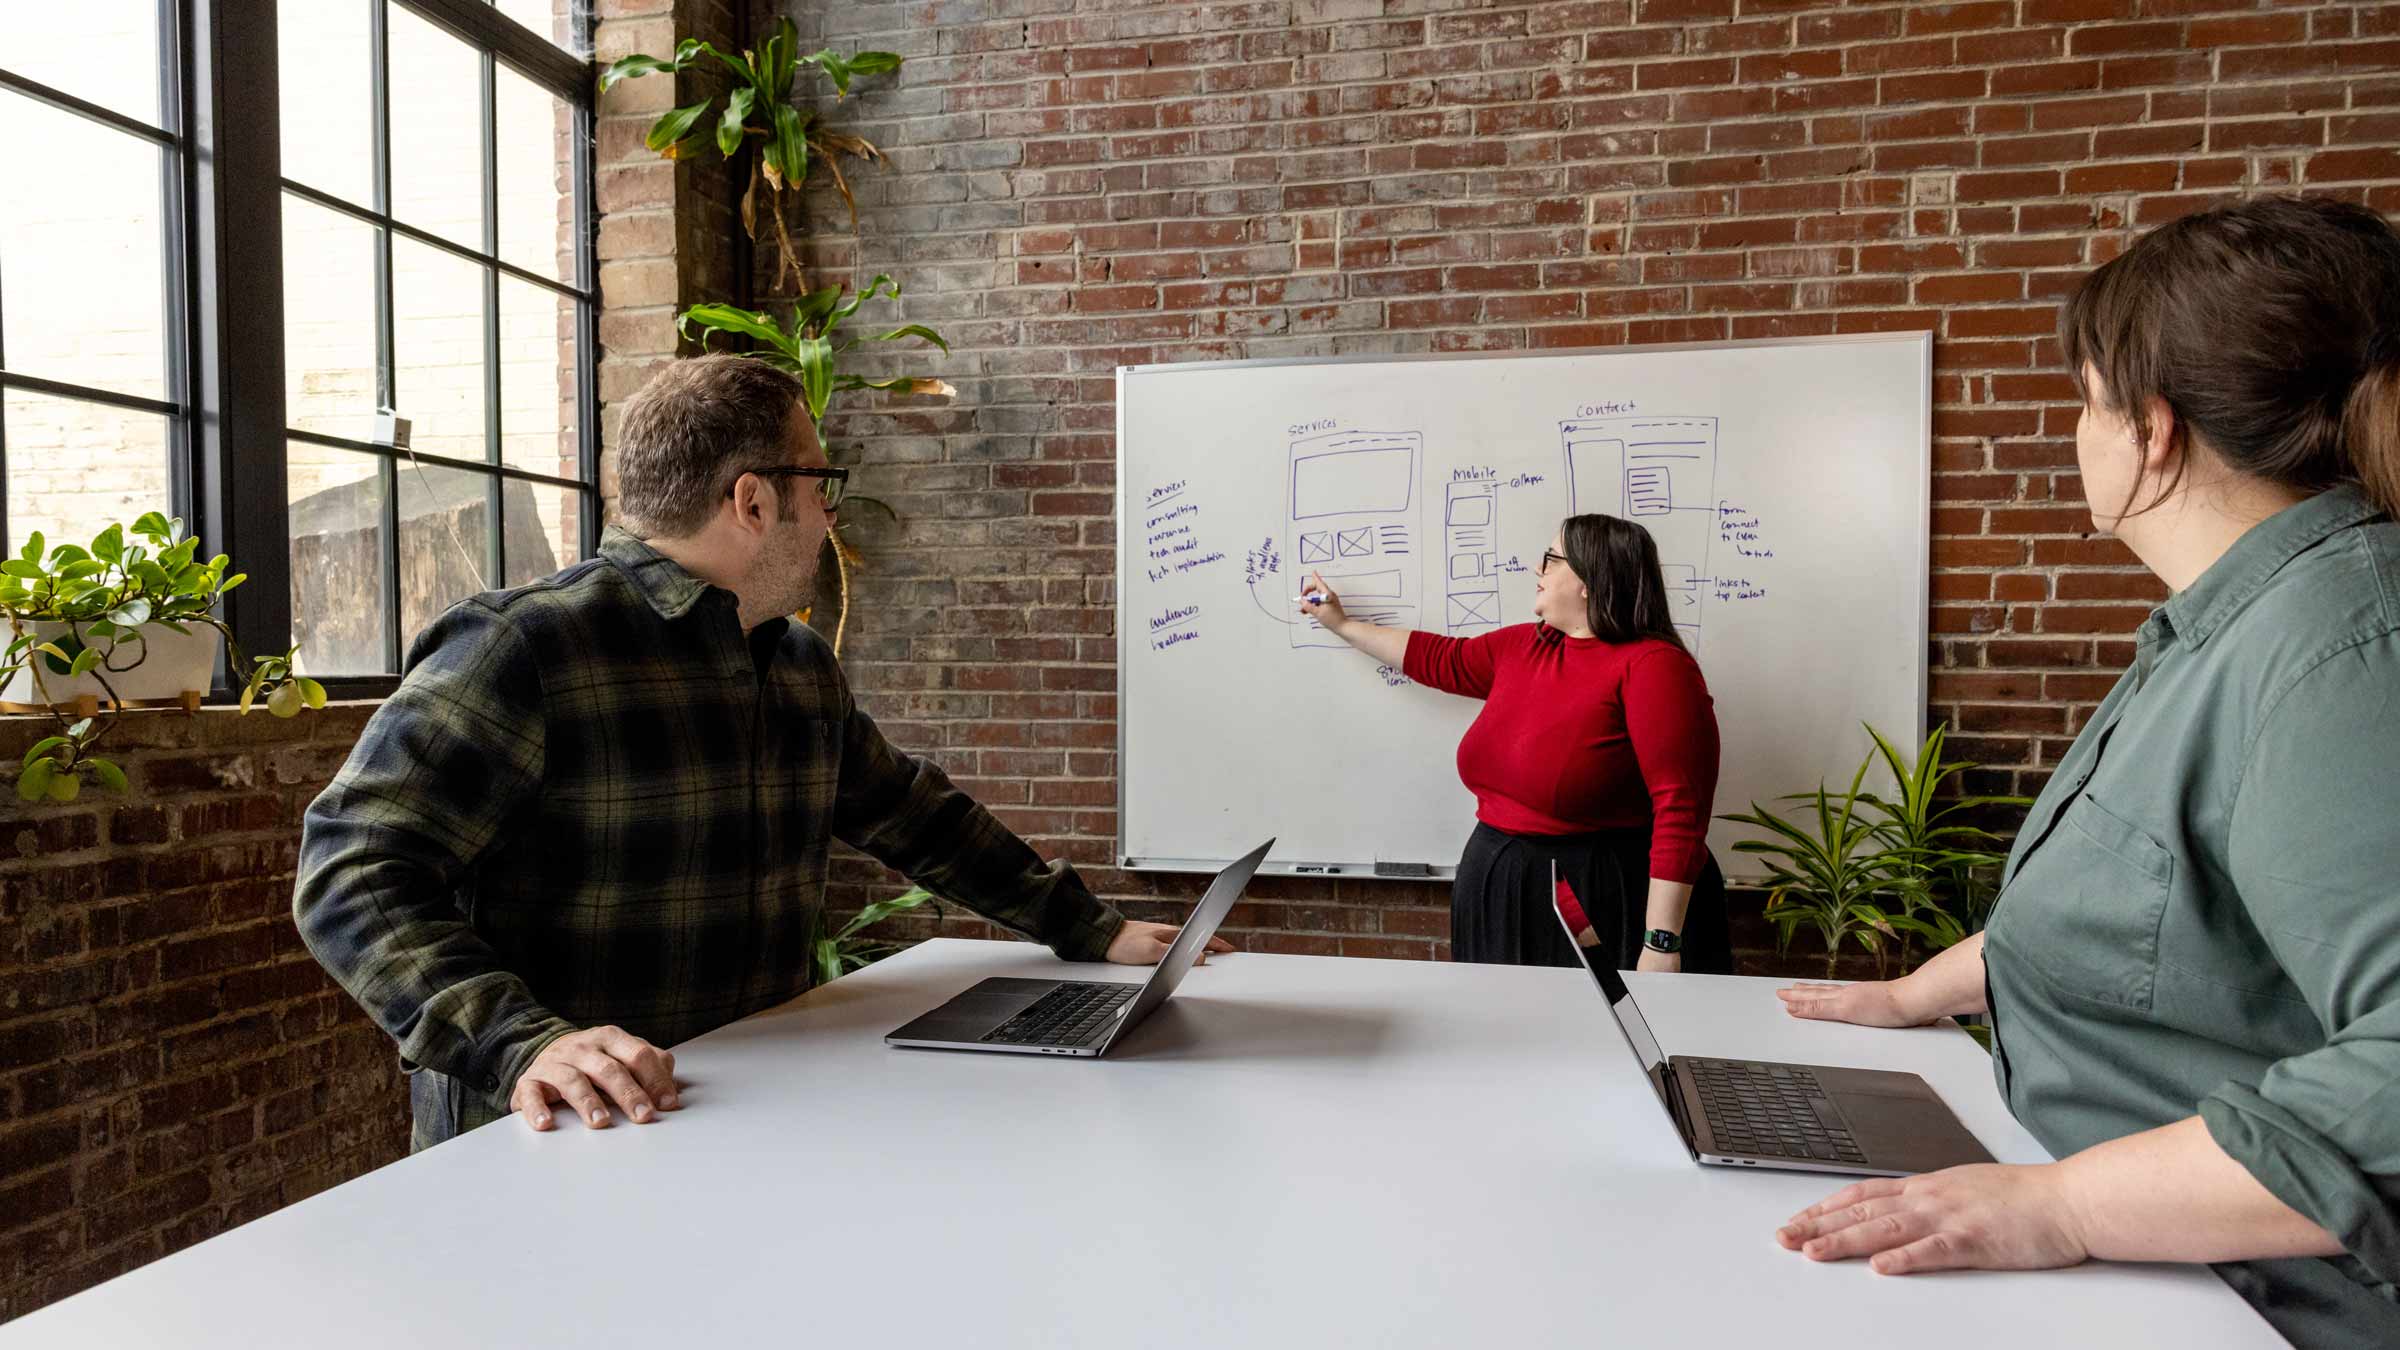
(2193, 969)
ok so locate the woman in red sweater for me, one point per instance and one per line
(1596, 750)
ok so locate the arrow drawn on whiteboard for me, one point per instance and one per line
(1262, 608)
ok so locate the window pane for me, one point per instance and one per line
(337, 560)
(533, 129)
(548, 18)
(437, 349)
(326, 70)
(537, 380)
(328, 321)
(445, 541)
(82, 252)
(437, 130)
(76, 468)
(545, 529)
(55, 44)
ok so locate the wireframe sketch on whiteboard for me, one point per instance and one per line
(1471, 556)
(1351, 522)
(1660, 473)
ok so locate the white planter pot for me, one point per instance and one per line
(178, 667)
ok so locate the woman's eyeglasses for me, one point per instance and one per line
(833, 484)
(1543, 567)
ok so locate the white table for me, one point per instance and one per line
(1297, 1151)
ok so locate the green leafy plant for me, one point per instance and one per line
(758, 108)
(1828, 877)
(833, 955)
(1879, 871)
(106, 594)
(1942, 875)
(808, 346)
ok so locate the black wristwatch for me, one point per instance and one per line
(1665, 940)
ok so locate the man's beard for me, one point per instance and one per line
(789, 570)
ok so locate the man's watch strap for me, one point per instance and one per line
(1665, 940)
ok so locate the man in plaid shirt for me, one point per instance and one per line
(593, 820)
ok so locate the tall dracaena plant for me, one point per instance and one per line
(808, 345)
(811, 346)
(1828, 878)
(758, 105)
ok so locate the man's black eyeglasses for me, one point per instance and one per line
(832, 483)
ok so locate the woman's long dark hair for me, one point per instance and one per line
(1618, 562)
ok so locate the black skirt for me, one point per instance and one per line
(1500, 912)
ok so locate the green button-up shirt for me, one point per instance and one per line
(596, 800)
(2202, 913)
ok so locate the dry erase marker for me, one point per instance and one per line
(1312, 597)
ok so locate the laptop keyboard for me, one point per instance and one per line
(1771, 1110)
(1071, 1014)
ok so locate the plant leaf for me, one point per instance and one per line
(634, 67)
(787, 149)
(311, 692)
(34, 783)
(110, 776)
(814, 357)
(874, 63)
(835, 68)
(915, 330)
(43, 747)
(737, 112)
(731, 319)
(65, 786)
(668, 131)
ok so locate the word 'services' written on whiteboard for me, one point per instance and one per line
(1786, 483)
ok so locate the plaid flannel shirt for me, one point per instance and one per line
(594, 800)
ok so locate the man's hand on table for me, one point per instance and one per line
(591, 1070)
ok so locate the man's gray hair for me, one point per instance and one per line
(698, 425)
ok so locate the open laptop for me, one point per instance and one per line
(1804, 1117)
(1076, 1017)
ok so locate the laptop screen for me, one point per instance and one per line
(1184, 951)
(1619, 1000)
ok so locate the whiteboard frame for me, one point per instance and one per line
(1291, 866)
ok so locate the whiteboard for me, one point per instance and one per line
(1787, 483)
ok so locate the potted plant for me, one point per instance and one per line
(1879, 871)
(758, 108)
(1942, 876)
(1829, 876)
(121, 622)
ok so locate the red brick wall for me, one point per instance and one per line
(172, 1061)
(1069, 191)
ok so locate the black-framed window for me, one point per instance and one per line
(96, 408)
(363, 208)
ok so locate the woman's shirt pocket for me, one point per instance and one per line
(2084, 910)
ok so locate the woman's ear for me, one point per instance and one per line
(2166, 440)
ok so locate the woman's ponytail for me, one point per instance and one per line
(2371, 419)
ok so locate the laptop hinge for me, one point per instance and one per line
(1670, 1088)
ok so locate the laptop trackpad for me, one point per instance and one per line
(1914, 1132)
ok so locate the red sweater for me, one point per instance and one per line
(1581, 734)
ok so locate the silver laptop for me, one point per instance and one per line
(1803, 1117)
(1076, 1017)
